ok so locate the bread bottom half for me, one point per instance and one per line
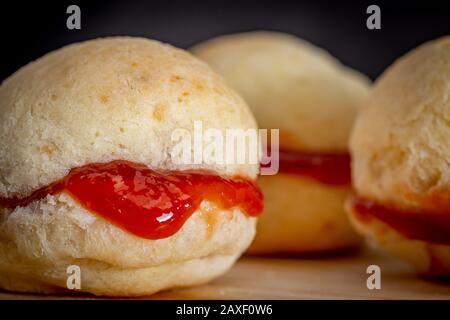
(40, 241)
(112, 281)
(429, 259)
(302, 216)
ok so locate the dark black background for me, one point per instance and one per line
(288, 309)
(30, 29)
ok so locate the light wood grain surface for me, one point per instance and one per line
(338, 277)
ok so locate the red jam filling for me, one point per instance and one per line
(146, 203)
(426, 225)
(331, 169)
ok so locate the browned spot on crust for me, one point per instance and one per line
(183, 95)
(47, 149)
(158, 112)
(54, 97)
(104, 99)
(210, 217)
(175, 77)
(134, 64)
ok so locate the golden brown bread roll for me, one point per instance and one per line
(401, 159)
(313, 99)
(98, 116)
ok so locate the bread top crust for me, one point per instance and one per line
(109, 99)
(290, 85)
(401, 139)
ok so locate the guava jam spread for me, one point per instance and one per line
(420, 224)
(144, 202)
(331, 169)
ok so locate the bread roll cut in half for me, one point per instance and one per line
(88, 177)
(401, 160)
(312, 99)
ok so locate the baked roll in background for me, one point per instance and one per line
(87, 178)
(401, 160)
(312, 99)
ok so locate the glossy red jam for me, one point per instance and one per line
(149, 204)
(426, 225)
(331, 169)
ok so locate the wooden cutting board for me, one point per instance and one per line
(337, 277)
